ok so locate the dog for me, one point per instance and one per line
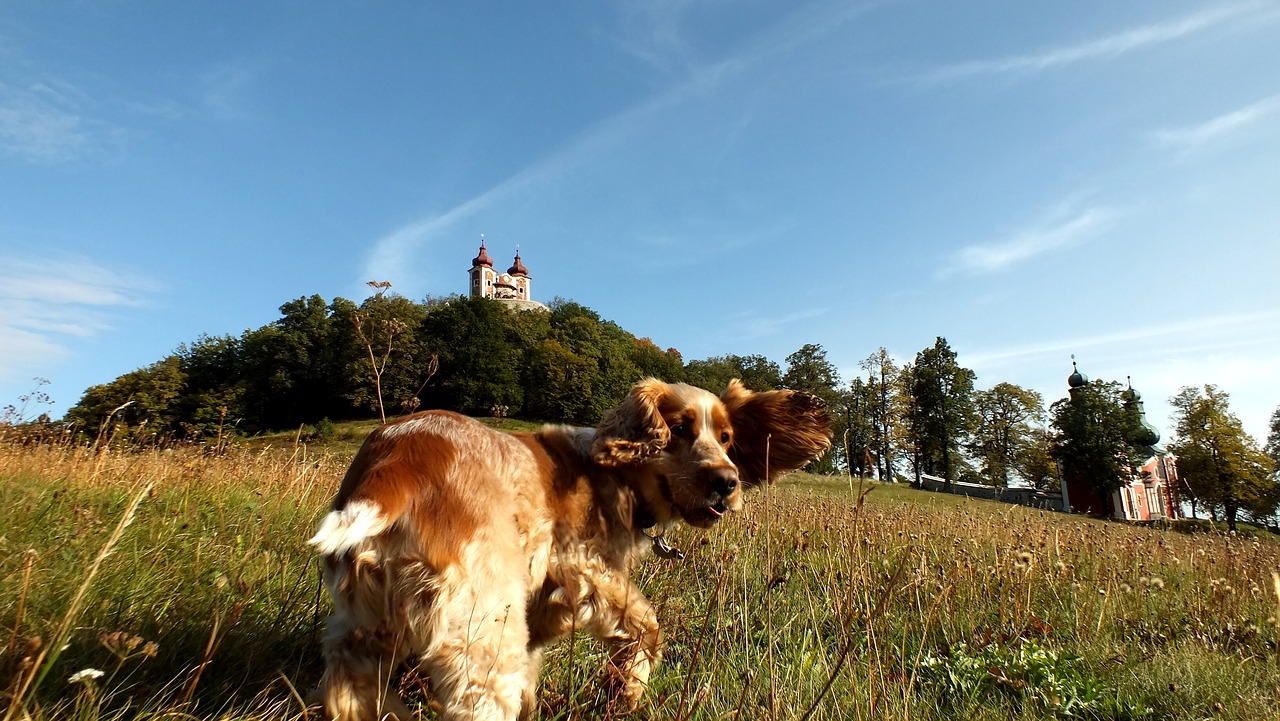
(470, 550)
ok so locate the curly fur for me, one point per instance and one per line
(468, 550)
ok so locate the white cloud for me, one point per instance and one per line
(39, 125)
(1215, 129)
(225, 88)
(1027, 244)
(44, 302)
(1106, 47)
(1220, 332)
(750, 327)
(653, 32)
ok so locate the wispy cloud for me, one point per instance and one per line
(1027, 244)
(1216, 333)
(224, 89)
(1193, 137)
(1100, 48)
(46, 301)
(393, 253)
(750, 327)
(654, 32)
(39, 124)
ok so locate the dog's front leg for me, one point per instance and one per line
(637, 641)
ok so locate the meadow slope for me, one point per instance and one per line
(825, 600)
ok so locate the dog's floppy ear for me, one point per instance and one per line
(774, 431)
(634, 431)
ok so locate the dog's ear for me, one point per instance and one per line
(774, 431)
(634, 431)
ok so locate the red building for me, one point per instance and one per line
(1150, 494)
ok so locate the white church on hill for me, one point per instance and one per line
(511, 288)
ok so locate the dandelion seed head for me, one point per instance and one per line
(86, 675)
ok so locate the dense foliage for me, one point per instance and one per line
(318, 360)
(1220, 465)
(1093, 437)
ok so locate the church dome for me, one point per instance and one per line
(518, 268)
(482, 259)
(1076, 379)
(1146, 434)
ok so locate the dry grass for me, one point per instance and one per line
(817, 603)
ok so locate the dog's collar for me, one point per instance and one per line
(643, 519)
(664, 549)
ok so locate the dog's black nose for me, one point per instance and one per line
(724, 481)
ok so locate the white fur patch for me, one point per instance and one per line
(342, 530)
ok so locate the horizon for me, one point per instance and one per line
(1028, 182)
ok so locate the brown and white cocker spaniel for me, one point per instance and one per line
(470, 549)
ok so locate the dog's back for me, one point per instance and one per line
(434, 533)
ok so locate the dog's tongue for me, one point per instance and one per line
(715, 511)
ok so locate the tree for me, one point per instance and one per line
(1034, 460)
(1004, 428)
(213, 401)
(809, 370)
(857, 418)
(755, 371)
(605, 346)
(1092, 439)
(1217, 460)
(148, 397)
(1273, 440)
(479, 362)
(883, 383)
(941, 414)
(654, 362)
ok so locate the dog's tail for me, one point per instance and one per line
(373, 496)
(347, 527)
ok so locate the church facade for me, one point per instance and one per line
(512, 288)
(1150, 493)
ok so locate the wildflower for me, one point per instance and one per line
(86, 675)
(1157, 582)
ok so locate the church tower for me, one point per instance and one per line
(483, 275)
(512, 288)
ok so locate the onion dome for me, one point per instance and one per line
(1146, 434)
(1077, 379)
(518, 268)
(482, 259)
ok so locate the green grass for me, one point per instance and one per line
(876, 603)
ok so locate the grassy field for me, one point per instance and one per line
(822, 601)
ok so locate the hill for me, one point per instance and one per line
(870, 602)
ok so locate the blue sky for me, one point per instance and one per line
(1029, 180)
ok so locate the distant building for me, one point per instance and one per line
(1150, 494)
(512, 288)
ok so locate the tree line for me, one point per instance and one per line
(926, 417)
(894, 421)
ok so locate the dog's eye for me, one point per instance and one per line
(724, 436)
(679, 430)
